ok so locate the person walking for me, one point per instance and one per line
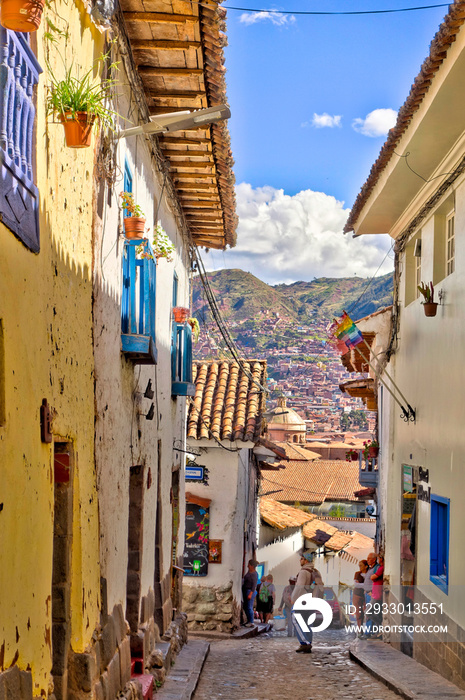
(262, 596)
(358, 595)
(377, 596)
(271, 598)
(308, 581)
(249, 586)
(286, 605)
(368, 588)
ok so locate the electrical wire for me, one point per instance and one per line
(406, 155)
(353, 306)
(345, 12)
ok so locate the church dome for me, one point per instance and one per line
(284, 416)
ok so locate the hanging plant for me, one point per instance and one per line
(194, 324)
(134, 217)
(21, 15)
(78, 102)
(370, 449)
(429, 305)
(162, 246)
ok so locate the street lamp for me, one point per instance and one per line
(176, 121)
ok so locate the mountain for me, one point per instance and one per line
(242, 296)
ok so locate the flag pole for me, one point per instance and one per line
(407, 413)
(386, 373)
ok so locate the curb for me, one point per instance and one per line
(183, 678)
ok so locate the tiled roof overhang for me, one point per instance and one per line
(177, 48)
(444, 38)
(229, 402)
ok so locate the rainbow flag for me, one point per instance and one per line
(347, 332)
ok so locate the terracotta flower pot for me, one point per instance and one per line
(373, 452)
(181, 314)
(430, 308)
(21, 15)
(134, 227)
(78, 128)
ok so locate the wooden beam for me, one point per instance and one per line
(203, 204)
(192, 186)
(192, 164)
(195, 154)
(194, 176)
(148, 71)
(155, 44)
(160, 17)
(200, 226)
(182, 95)
(168, 109)
(183, 141)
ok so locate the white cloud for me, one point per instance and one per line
(376, 123)
(320, 121)
(283, 238)
(271, 16)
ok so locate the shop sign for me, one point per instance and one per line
(196, 472)
(196, 543)
(407, 478)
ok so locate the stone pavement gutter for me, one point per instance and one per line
(181, 680)
(401, 673)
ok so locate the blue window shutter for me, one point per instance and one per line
(138, 304)
(19, 196)
(127, 177)
(175, 289)
(187, 359)
(434, 540)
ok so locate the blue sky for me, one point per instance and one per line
(281, 72)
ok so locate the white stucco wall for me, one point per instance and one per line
(429, 368)
(124, 437)
(231, 510)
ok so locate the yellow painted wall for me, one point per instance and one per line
(46, 311)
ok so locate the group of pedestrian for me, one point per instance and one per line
(367, 591)
(307, 580)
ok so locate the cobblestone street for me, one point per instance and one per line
(267, 668)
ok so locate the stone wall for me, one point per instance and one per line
(444, 657)
(211, 608)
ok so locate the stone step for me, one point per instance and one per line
(146, 681)
(183, 677)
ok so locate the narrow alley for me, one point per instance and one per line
(267, 668)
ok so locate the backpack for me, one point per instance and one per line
(264, 593)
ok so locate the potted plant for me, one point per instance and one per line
(162, 246)
(351, 455)
(78, 102)
(180, 314)
(134, 217)
(429, 305)
(370, 449)
(21, 15)
(194, 324)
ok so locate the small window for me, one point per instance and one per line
(439, 542)
(19, 196)
(175, 290)
(181, 360)
(412, 268)
(450, 243)
(127, 177)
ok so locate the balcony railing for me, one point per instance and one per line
(181, 360)
(19, 197)
(138, 306)
(368, 471)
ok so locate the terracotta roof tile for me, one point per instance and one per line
(443, 39)
(296, 452)
(281, 516)
(314, 481)
(228, 404)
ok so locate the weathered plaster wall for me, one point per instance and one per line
(46, 310)
(124, 437)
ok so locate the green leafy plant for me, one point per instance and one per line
(427, 290)
(162, 246)
(351, 455)
(194, 324)
(129, 205)
(73, 94)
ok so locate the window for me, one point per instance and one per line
(175, 289)
(127, 177)
(439, 542)
(19, 197)
(138, 306)
(450, 244)
(181, 360)
(412, 268)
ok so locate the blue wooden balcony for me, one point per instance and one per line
(138, 306)
(181, 360)
(368, 472)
